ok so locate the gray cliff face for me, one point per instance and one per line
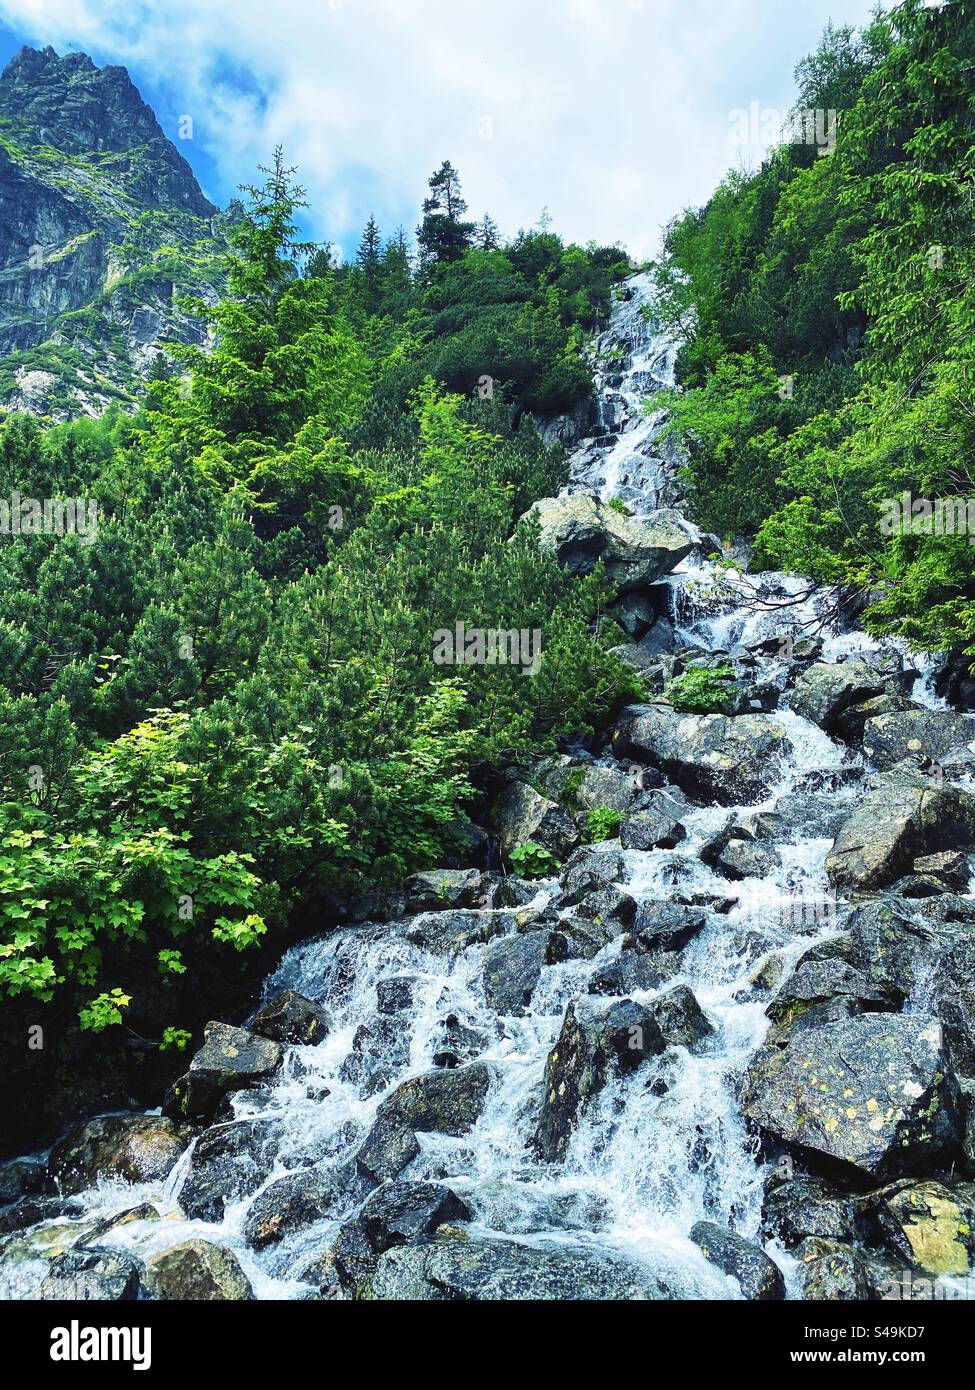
(103, 228)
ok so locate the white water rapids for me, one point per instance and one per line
(647, 1160)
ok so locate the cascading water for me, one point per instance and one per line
(661, 1147)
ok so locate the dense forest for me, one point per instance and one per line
(223, 706)
(827, 306)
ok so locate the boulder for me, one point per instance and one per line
(389, 1147)
(484, 1269)
(228, 1162)
(680, 1018)
(401, 1212)
(512, 966)
(115, 1221)
(928, 734)
(852, 722)
(444, 1102)
(831, 1272)
(738, 855)
(630, 972)
(816, 981)
(952, 869)
(759, 1278)
(231, 1059)
(657, 826)
(806, 1206)
(596, 1038)
(580, 530)
(926, 1225)
(197, 1271)
(591, 867)
(448, 933)
(901, 818)
(90, 1275)
(664, 926)
(872, 1095)
(443, 888)
(521, 816)
(132, 1148)
(822, 693)
(21, 1177)
(291, 1018)
(728, 759)
(288, 1205)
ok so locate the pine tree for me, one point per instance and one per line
(443, 235)
(487, 237)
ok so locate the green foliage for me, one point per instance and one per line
(827, 305)
(177, 1039)
(225, 706)
(104, 1011)
(602, 823)
(533, 861)
(700, 690)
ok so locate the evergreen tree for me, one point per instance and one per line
(486, 236)
(369, 262)
(443, 235)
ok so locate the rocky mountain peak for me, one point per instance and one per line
(100, 213)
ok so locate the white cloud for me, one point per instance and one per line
(612, 113)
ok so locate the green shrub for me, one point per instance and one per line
(701, 690)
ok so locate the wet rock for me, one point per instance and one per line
(490, 1270)
(133, 1148)
(102, 1230)
(30, 1211)
(513, 965)
(288, 1205)
(759, 1278)
(822, 693)
(231, 1059)
(507, 890)
(608, 908)
(397, 995)
(658, 826)
(831, 1272)
(591, 867)
(523, 816)
(814, 982)
(444, 1102)
(291, 1018)
(664, 926)
(400, 1212)
(806, 1206)
(890, 738)
(739, 858)
(811, 815)
(595, 1039)
(448, 933)
(197, 1271)
(443, 888)
(580, 530)
(457, 1043)
(91, 1275)
(680, 1018)
(21, 1177)
(228, 1162)
(388, 1148)
(872, 1095)
(852, 722)
(927, 1224)
(953, 869)
(728, 759)
(378, 1050)
(629, 972)
(901, 818)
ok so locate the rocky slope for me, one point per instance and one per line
(727, 1053)
(102, 228)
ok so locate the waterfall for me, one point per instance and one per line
(662, 1147)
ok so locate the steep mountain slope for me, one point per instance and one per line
(102, 228)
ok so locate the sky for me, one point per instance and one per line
(613, 115)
